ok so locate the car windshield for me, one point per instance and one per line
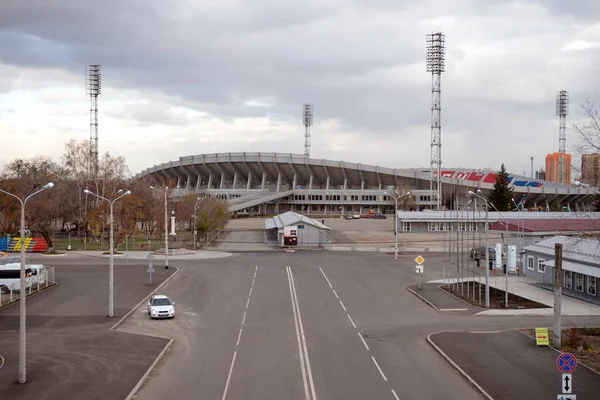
(161, 302)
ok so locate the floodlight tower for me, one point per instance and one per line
(562, 109)
(308, 121)
(93, 87)
(436, 65)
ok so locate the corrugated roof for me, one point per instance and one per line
(291, 218)
(575, 249)
(449, 215)
(548, 225)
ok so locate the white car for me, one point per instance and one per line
(160, 306)
(356, 215)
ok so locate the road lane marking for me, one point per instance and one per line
(307, 378)
(363, 340)
(453, 309)
(255, 269)
(380, 371)
(350, 318)
(323, 272)
(244, 319)
(343, 306)
(395, 395)
(484, 332)
(239, 337)
(250, 294)
(248, 303)
(229, 375)
(336, 295)
(252, 283)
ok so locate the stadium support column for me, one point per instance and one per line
(436, 65)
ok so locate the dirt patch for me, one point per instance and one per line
(469, 292)
(583, 343)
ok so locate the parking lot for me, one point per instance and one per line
(71, 353)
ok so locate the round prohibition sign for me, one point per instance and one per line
(566, 362)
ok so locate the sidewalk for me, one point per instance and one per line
(525, 287)
(143, 255)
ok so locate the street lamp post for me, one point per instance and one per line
(166, 227)
(396, 196)
(487, 249)
(111, 248)
(22, 284)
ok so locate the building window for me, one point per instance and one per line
(579, 282)
(541, 265)
(568, 278)
(431, 226)
(406, 226)
(591, 285)
(530, 263)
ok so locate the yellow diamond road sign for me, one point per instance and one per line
(419, 260)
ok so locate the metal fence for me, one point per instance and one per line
(10, 293)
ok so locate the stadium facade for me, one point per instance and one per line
(266, 183)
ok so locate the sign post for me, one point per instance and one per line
(566, 363)
(419, 269)
(150, 267)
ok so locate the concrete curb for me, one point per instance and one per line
(119, 322)
(422, 298)
(10, 303)
(456, 367)
(137, 387)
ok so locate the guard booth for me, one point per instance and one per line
(290, 236)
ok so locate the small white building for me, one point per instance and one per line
(296, 230)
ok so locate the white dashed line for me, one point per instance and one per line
(395, 395)
(350, 318)
(336, 295)
(248, 303)
(343, 306)
(244, 319)
(379, 369)
(250, 294)
(252, 283)
(323, 272)
(363, 340)
(239, 337)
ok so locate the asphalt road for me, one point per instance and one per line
(71, 353)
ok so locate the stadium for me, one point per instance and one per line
(267, 183)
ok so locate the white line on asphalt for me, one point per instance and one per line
(302, 349)
(250, 294)
(453, 309)
(484, 332)
(255, 269)
(343, 306)
(395, 395)
(244, 319)
(363, 340)
(239, 337)
(323, 272)
(248, 303)
(350, 318)
(253, 279)
(229, 375)
(336, 295)
(380, 371)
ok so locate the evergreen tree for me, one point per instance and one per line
(501, 194)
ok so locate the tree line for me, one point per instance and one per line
(67, 209)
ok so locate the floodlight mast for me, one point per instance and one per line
(436, 65)
(93, 87)
(307, 117)
(562, 109)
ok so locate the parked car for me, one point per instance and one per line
(378, 216)
(478, 253)
(160, 306)
(356, 215)
(349, 216)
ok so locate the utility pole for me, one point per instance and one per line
(558, 250)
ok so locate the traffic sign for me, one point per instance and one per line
(567, 383)
(566, 362)
(566, 397)
(419, 259)
(541, 337)
(419, 269)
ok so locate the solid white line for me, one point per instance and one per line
(244, 319)
(248, 303)
(302, 366)
(326, 277)
(380, 371)
(344, 307)
(350, 318)
(229, 375)
(239, 337)
(308, 369)
(336, 295)
(453, 309)
(363, 340)
(250, 294)
(395, 395)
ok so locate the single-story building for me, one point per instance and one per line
(296, 230)
(581, 265)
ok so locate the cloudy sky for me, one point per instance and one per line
(186, 77)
